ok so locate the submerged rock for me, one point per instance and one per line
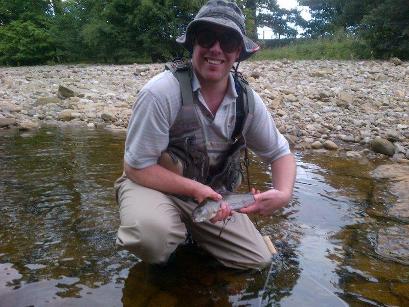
(392, 243)
(391, 171)
(392, 191)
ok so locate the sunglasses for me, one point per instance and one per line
(228, 41)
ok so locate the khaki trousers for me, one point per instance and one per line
(153, 224)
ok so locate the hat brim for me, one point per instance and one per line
(249, 46)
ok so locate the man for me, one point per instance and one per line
(180, 140)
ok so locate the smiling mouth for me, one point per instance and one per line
(214, 61)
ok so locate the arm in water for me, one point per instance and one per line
(283, 176)
(159, 178)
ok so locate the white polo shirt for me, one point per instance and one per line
(158, 104)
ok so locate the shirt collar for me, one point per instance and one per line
(231, 91)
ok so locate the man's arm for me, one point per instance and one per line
(283, 177)
(159, 178)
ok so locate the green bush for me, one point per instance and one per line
(386, 29)
(25, 43)
(337, 47)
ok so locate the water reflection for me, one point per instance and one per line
(59, 218)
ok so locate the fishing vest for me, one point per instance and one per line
(187, 140)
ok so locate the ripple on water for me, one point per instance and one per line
(60, 218)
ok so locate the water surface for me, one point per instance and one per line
(58, 220)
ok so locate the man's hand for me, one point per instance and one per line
(201, 192)
(283, 177)
(223, 213)
(267, 202)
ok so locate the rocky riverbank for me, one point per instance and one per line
(355, 108)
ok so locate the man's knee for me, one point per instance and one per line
(150, 240)
(257, 257)
(257, 262)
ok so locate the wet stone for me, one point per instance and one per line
(66, 115)
(401, 290)
(391, 171)
(392, 190)
(392, 243)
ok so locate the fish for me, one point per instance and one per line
(208, 209)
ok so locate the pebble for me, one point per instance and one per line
(343, 104)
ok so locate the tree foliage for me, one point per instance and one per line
(386, 29)
(383, 24)
(24, 32)
(25, 43)
(123, 31)
(281, 21)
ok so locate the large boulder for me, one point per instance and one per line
(65, 92)
(383, 146)
(6, 122)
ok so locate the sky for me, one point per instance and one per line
(286, 4)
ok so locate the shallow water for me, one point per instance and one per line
(58, 220)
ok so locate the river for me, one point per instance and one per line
(59, 218)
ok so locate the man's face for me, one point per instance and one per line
(215, 50)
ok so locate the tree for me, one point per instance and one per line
(25, 43)
(329, 16)
(249, 9)
(382, 24)
(24, 32)
(386, 29)
(67, 23)
(23, 10)
(281, 21)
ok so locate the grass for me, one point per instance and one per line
(340, 47)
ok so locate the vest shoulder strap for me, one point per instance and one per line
(244, 105)
(182, 71)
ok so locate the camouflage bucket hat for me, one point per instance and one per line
(225, 14)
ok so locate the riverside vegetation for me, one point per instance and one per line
(51, 32)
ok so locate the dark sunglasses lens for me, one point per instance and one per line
(206, 39)
(229, 42)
